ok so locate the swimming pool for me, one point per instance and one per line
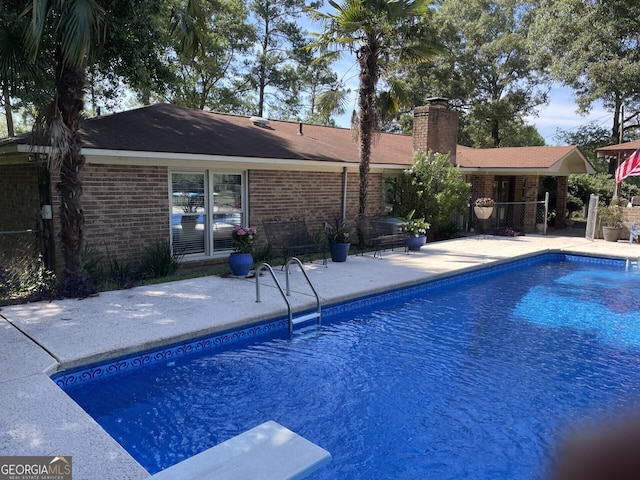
(471, 377)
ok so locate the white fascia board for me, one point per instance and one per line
(128, 157)
(23, 148)
(503, 171)
(19, 153)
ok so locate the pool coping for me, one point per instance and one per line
(267, 329)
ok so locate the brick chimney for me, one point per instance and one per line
(435, 127)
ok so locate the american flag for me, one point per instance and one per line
(629, 168)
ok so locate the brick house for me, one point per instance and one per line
(165, 172)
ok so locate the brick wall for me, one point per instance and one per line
(316, 196)
(19, 200)
(125, 207)
(561, 201)
(631, 215)
(481, 186)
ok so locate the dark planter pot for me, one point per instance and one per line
(611, 234)
(339, 251)
(240, 263)
(415, 242)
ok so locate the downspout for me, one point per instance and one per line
(344, 194)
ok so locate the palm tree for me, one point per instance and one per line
(73, 26)
(382, 34)
(15, 68)
(71, 29)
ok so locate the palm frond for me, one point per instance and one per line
(39, 11)
(80, 22)
(50, 127)
(14, 63)
(332, 101)
(187, 23)
(76, 23)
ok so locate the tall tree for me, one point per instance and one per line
(318, 81)
(208, 79)
(487, 74)
(22, 82)
(137, 42)
(74, 26)
(280, 40)
(592, 47)
(70, 30)
(382, 34)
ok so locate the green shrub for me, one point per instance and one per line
(159, 261)
(435, 189)
(25, 278)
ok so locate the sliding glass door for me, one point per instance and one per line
(205, 208)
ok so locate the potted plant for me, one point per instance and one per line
(243, 241)
(416, 230)
(339, 237)
(483, 207)
(191, 214)
(611, 222)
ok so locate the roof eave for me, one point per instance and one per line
(132, 157)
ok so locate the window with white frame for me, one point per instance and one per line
(205, 206)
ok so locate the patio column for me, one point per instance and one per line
(561, 201)
(531, 196)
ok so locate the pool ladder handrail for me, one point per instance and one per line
(630, 263)
(302, 318)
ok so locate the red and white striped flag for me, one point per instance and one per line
(629, 168)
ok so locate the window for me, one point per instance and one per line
(204, 209)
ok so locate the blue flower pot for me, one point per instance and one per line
(240, 263)
(415, 242)
(339, 251)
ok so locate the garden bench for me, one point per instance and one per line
(375, 233)
(292, 239)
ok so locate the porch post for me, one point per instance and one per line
(561, 201)
(531, 196)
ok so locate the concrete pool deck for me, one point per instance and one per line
(42, 338)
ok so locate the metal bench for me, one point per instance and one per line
(292, 239)
(374, 233)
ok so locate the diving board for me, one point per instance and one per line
(268, 452)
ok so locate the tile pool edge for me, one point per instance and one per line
(263, 329)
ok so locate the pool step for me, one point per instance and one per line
(287, 267)
(305, 318)
(266, 452)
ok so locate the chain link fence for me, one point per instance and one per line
(518, 217)
(21, 265)
(18, 245)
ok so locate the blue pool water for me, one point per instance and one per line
(474, 379)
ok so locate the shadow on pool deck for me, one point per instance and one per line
(41, 338)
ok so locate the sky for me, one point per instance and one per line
(559, 113)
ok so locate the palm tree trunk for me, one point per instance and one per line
(70, 92)
(8, 112)
(367, 119)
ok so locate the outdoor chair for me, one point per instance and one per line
(375, 233)
(635, 201)
(634, 231)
